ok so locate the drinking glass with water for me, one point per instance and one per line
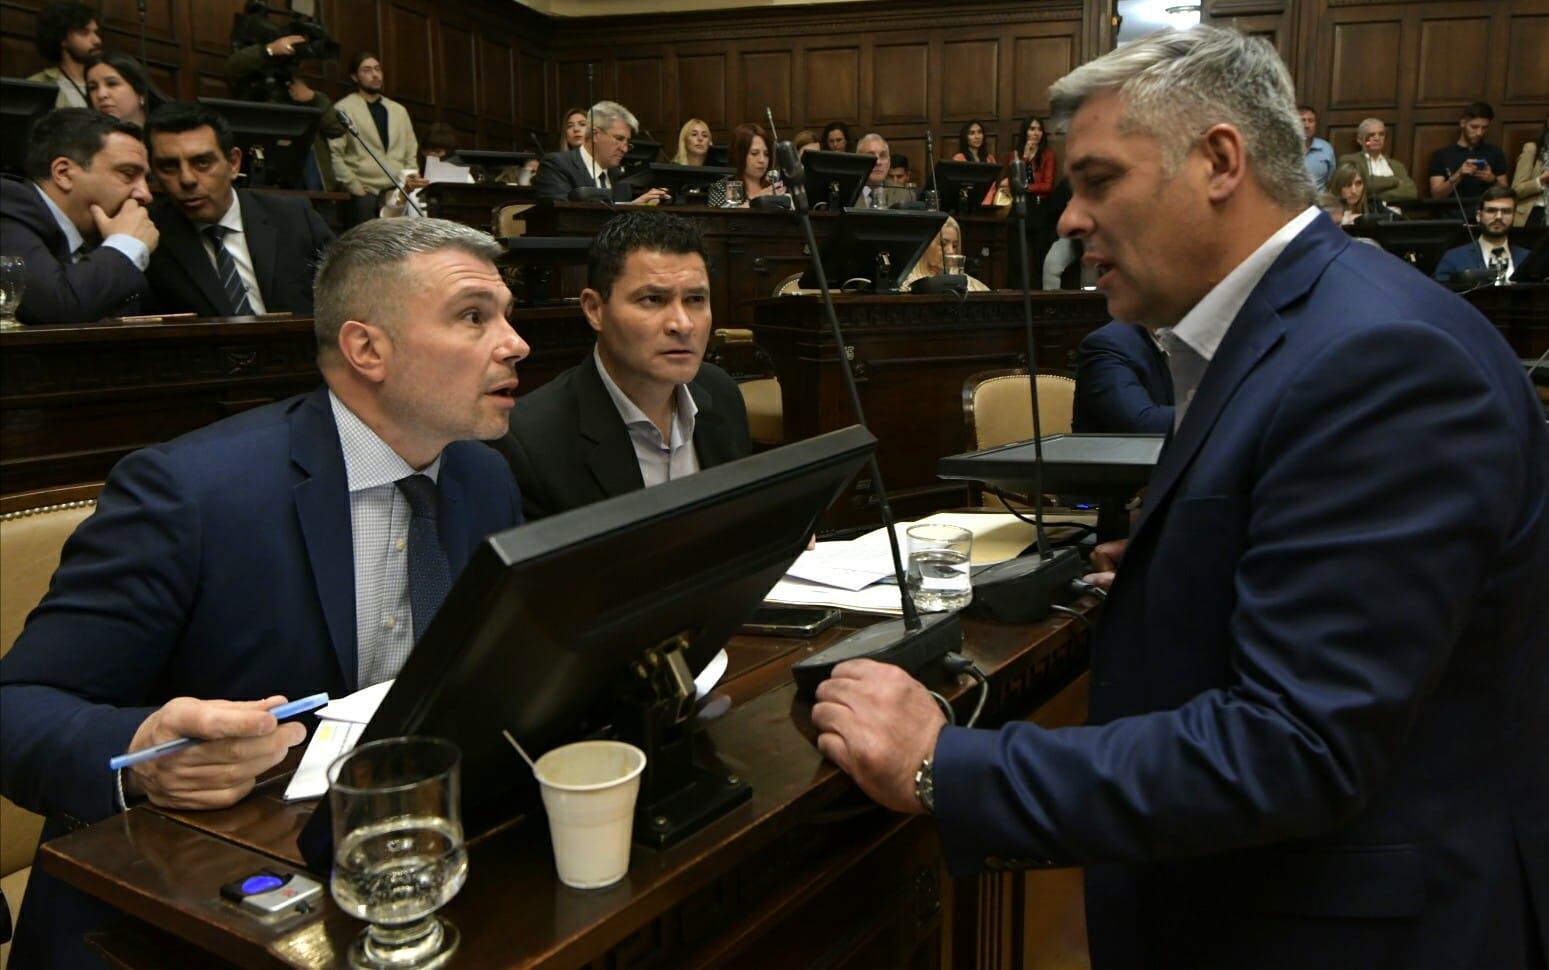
(938, 575)
(398, 848)
(13, 284)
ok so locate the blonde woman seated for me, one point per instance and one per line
(749, 155)
(948, 242)
(1347, 199)
(693, 143)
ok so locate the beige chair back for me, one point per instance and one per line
(510, 220)
(766, 411)
(997, 407)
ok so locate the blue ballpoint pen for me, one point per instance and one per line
(290, 709)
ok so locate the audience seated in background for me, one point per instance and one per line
(836, 137)
(572, 129)
(876, 194)
(440, 143)
(948, 242)
(117, 85)
(578, 168)
(1347, 200)
(78, 220)
(1123, 385)
(693, 143)
(67, 38)
(1039, 158)
(271, 555)
(1470, 165)
(1386, 178)
(645, 409)
(749, 155)
(1493, 249)
(1320, 154)
(972, 144)
(384, 125)
(224, 251)
(805, 141)
(1530, 181)
(898, 172)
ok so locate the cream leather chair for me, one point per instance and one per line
(734, 350)
(997, 410)
(33, 530)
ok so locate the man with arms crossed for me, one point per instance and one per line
(1320, 682)
(646, 408)
(296, 548)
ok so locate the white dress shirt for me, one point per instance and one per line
(133, 249)
(1191, 343)
(1379, 165)
(661, 460)
(379, 533)
(598, 175)
(1487, 248)
(235, 243)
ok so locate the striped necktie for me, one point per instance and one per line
(226, 270)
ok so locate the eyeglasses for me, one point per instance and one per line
(624, 139)
(1498, 211)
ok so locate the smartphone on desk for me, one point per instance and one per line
(790, 621)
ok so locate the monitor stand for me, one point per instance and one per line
(656, 713)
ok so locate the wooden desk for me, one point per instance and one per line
(911, 355)
(472, 203)
(807, 873)
(1519, 311)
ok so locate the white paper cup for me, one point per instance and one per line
(589, 790)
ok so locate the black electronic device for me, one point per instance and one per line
(488, 163)
(273, 893)
(1420, 243)
(600, 616)
(878, 246)
(688, 184)
(640, 156)
(833, 180)
(790, 621)
(1535, 269)
(21, 104)
(962, 186)
(271, 81)
(718, 155)
(276, 139)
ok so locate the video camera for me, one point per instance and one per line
(270, 82)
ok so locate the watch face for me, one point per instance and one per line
(925, 786)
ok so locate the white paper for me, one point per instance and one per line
(711, 675)
(437, 170)
(880, 598)
(357, 708)
(329, 741)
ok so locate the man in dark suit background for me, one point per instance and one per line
(295, 548)
(645, 408)
(1493, 248)
(1320, 682)
(78, 219)
(595, 164)
(1122, 383)
(224, 252)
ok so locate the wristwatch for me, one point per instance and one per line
(925, 787)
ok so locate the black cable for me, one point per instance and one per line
(946, 708)
(1083, 588)
(957, 664)
(1090, 630)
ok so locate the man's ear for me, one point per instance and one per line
(591, 307)
(366, 349)
(61, 171)
(235, 158)
(1223, 149)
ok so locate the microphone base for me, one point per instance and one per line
(887, 642)
(955, 283)
(1021, 590)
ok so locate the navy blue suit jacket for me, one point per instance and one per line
(1320, 686)
(104, 283)
(218, 565)
(1123, 385)
(1468, 256)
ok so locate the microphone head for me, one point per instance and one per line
(930, 141)
(1018, 179)
(790, 163)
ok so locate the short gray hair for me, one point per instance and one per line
(606, 113)
(1366, 127)
(361, 273)
(869, 136)
(1175, 84)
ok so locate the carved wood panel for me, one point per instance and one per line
(497, 80)
(1364, 73)
(702, 90)
(1454, 57)
(1039, 62)
(1527, 59)
(457, 88)
(833, 85)
(900, 88)
(970, 72)
(408, 58)
(766, 81)
(645, 81)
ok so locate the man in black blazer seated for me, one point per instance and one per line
(1122, 383)
(78, 219)
(224, 252)
(645, 408)
(595, 164)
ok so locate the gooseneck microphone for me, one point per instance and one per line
(911, 642)
(349, 126)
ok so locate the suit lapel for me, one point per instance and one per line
(323, 506)
(707, 428)
(610, 457)
(263, 243)
(1254, 332)
(190, 256)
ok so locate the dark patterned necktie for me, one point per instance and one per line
(430, 576)
(226, 270)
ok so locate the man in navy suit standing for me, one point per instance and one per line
(1320, 686)
(296, 548)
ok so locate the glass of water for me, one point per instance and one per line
(13, 284)
(938, 567)
(398, 848)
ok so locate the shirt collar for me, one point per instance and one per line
(682, 416)
(589, 162)
(368, 460)
(72, 235)
(1203, 327)
(232, 220)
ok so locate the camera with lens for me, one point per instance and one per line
(272, 79)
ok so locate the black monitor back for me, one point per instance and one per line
(835, 179)
(1535, 269)
(21, 104)
(688, 183)
(1418, 242)
(285, 132)
(850, 253)
(962, 186)
(719, 155)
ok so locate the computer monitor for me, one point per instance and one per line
(835, 179)
(486, 165)
(1535, 269)
(718, 155)
(283, 133)
(1418, 242)
(863, 236)
(688, 184)
(21, 103)
(545, 632)
(640, 155)
(962, 186)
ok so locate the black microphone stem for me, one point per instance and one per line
(349, 126)
(1019, 209)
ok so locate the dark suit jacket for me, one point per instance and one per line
(1320, 685)
(1123, 385)
(284, 234)
(104, 283)
(218, 565)
(1468, 256)
(559, 172)
(568, 447)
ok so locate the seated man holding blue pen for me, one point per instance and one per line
(297, 548)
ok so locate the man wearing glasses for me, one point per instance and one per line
(595, 163)
(1493, 250)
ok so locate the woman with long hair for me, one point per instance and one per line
(1347, 198)
(1530, 180)
(972, 144)
(572, 129)
(117, 85)
(1042, 166)
(749, 155)
(693, 143)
